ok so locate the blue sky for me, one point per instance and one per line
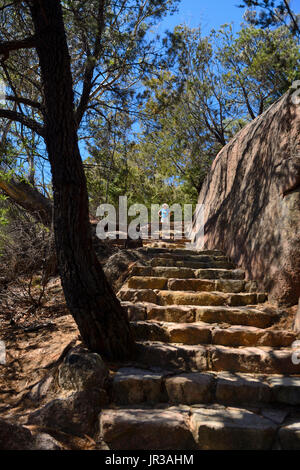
(209, 14)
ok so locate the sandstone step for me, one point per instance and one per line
(222, 388)
(172, 356)
(136, 282)
(289, 435)
(285, 389)
(202, 258)
(161, 297)
(236, 316)
(132, 385)
(165, 272)
(217, 358)
(253, 360)
(184, 252)
(204, 333)
(165, 245)
(196, 285)
(208, 298)
(220, 428)
(146, 429)
(188, 273)
(168, 262)
(188, 314)
(252, 336)
(136, 311)
(205, 285)
(206, 427)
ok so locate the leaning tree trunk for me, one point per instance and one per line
(102, 322)
(29, 198)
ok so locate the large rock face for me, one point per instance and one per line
(252, 201)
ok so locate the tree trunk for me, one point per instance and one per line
(29, 198)
(101, 320)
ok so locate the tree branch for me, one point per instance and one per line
(90, 65)
(291, 14)
(29, 198)
(18, 117)
(26, 101)
(8, 46)
(7, 6)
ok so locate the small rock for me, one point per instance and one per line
(82, 370)
(44, 441)
(41, 390)
(15, 437)
(76, 414)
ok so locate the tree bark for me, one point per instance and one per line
(101, 320)
(29, 198)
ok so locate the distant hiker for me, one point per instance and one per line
(164, 214)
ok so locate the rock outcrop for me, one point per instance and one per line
(251, 201)
(16, 437)
(118, 266)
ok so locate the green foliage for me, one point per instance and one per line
(213, 86)
(3, 211)
(117, 167)
(267, 13)
(259, 65)
(158, 111)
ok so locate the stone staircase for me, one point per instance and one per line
(212, 370)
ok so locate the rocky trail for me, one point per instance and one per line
(213, 368)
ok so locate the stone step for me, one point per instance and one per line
(188, 314)
(208, 298)
(206, 427)
(165, 244)
(196, 285)
(217, 358)
(204, 333)
(220, 428)
(169, 262)
(146, 429)
(202, 258)
(132, 385)
(183, 252)
(187, 273)
(164, 298)
(236, 316)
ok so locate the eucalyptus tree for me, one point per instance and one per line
(211, 87)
